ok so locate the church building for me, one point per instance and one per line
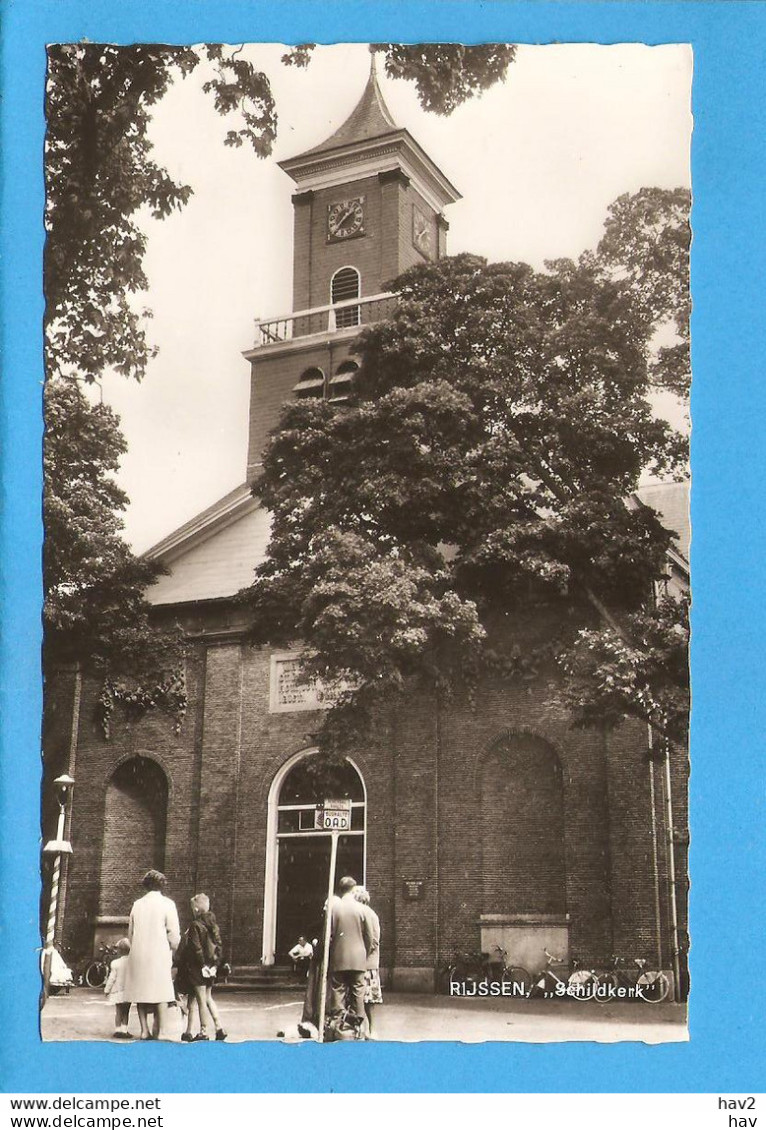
(474, 824)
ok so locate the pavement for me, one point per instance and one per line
(85, 1015)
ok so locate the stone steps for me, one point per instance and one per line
(261, 978)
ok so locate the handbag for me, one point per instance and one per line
(345, 1026)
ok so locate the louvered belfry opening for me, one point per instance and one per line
(341, 384)
(310, 385)
(345, 286)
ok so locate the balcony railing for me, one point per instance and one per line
(324, 319)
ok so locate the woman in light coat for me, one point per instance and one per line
(154, 934)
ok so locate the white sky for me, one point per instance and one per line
(538, 160)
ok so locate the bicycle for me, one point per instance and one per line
(469, 969)
(649, 985)
(516, 977)
(475, 969)
(584, 983)
(580, 984)
(97, 971)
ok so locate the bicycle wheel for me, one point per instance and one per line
(615, 986)
(96, 974)
(652, 986)
(519, 979)
(611, 981)
(467, 974)
(474, 975)
(583, 985)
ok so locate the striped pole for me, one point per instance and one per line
(51, 931)
(56, 848)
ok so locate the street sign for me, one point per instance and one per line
(333, 816)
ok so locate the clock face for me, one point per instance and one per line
(421, 235)
(345, 218)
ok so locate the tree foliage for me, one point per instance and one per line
(647, 239)
(102, 178)
(502, 418)
(95, 611)
(445, 74)
(101, 175)
(642, 674)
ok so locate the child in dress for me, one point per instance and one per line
(115, 991)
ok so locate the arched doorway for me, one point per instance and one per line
(135, 819)
(298, 856)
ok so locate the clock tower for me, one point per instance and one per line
(369, 203)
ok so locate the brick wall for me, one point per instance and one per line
(522, 828)
(408, 254)
(383, 252)
(135, 826)
(432, 771)
(316, 259)
(178, 756)
(521, 714)
(273, 380)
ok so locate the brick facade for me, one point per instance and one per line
(500, 807)
(492, 811)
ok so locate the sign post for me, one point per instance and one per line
(333, 816)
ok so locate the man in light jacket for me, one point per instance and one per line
(351, 941)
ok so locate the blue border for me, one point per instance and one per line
(728, 551)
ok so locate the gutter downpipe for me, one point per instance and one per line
(672, 875)
(671, 854)
(655, 859)
(437, 760)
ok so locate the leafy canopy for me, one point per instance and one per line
(646, 242)
(101, 177)
(501, 419)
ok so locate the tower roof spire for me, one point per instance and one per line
(370, 118)
(369, 142)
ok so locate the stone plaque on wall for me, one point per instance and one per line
(413, 889)
(291, 690)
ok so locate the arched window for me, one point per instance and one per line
(135, 819)
(345, 285)
(310, 385)
(341, 383)
(522, 828)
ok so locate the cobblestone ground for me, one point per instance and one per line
(86, 1015)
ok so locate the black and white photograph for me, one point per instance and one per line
(366, 561)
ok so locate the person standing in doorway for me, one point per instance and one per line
(154, 934)
(350, 943)
(372, 990)
(301, 955)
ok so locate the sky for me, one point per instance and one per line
(538, 159)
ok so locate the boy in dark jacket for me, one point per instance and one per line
(202, 952)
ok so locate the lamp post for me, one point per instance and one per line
(56, 848)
